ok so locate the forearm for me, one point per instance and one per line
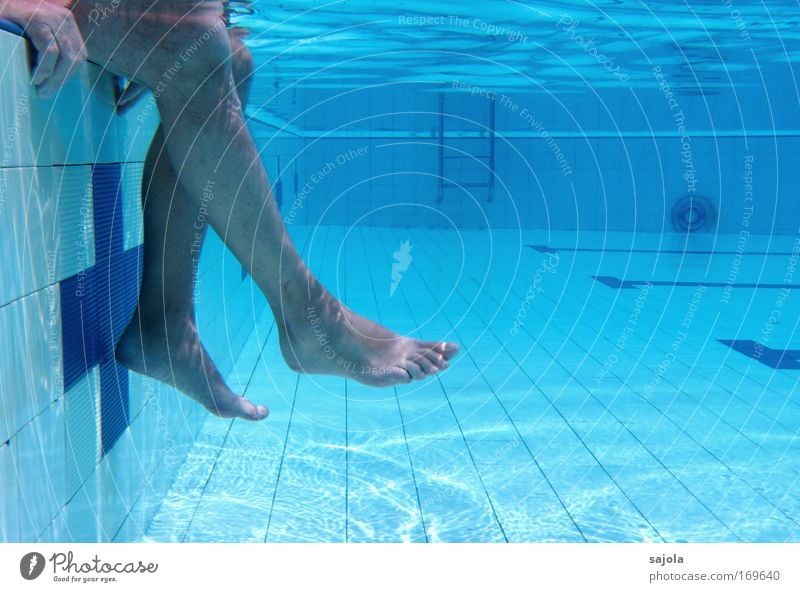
(19, 11)
(7, 9)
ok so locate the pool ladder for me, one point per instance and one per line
(454, 155)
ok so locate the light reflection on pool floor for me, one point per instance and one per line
(531, 435)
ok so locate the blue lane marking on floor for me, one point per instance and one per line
(780, 359)
(552, 250)
(614, 282)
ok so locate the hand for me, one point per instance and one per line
(54, 33)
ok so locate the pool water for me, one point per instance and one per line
(523, 191)
(596, 200)
(608, 389)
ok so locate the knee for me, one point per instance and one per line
(198, 47)
(242, 65)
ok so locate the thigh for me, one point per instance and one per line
(149, 40)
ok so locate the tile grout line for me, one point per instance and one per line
(227, 434)
(396, 397)
(455, 416)
(283, 455)
(508, 417)
(668, 418)
(552, 404)
(305, 253)
(623, 424)
(346, 428)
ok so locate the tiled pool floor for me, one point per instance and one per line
(580, 409)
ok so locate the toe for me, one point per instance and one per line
(428, 367)
(414, 369)
(448, 350)
(247, 410)
(436, 358)
(391, 377)
(397, 376)
(432, 345)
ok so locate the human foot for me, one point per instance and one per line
(178, 358)
(328, 338)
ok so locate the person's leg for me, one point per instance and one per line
(180, 50)
(162, 340)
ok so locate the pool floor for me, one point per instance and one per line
(586, 404)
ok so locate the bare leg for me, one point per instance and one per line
(162, 340)
(212, 152)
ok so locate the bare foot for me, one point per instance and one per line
(328, 338)
(182, 362)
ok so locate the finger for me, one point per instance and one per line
(70, 57)
(47, 49)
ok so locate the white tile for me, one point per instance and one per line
(83, 514)
(9, 512)
(56, 531)
(132, 204)
(121, 482)
(144, 429)
(74, 236)
(137, 127)
(104, 137)
(46, 228)
(30, 358)
(140, 390)
(133, 528)
(163, 431)
(78, 126)
(114, 137)
(46, 128)
(38, 451)
(18, 148)
(98, 509)
(83, 442)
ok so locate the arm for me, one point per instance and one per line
(50, 26)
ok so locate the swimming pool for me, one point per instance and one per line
(578, 412)
(596, 201)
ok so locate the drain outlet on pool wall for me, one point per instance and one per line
(693, 214)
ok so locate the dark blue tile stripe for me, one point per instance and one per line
(631, 251)
(114, 402)
(107, 186)
(80, 350)
(780, 359)
(97, 305)
(619, 284)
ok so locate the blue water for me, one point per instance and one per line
(507, 44)
(619, 380)
(575, 413)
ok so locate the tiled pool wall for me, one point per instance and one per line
(604, 159)
(87, 449)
